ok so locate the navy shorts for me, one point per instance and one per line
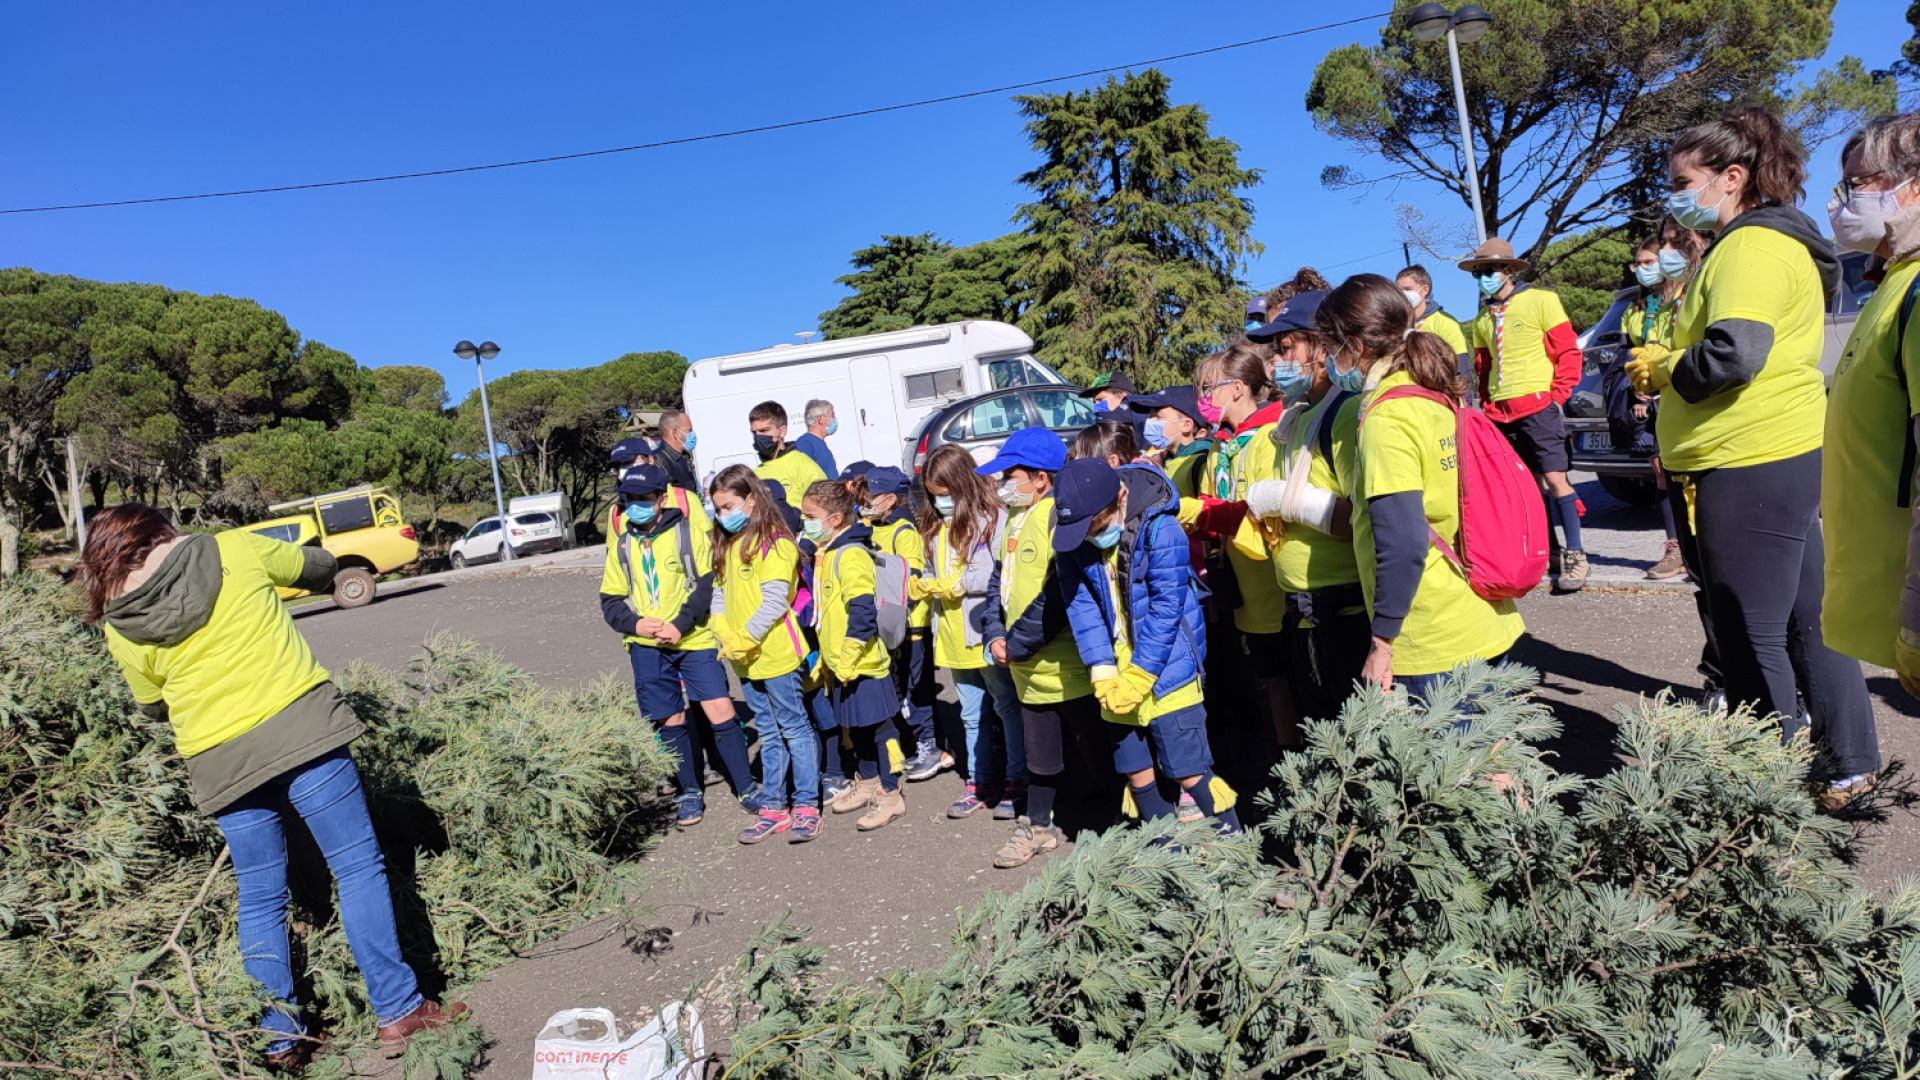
(1175, 744)
(1540, 439)
(659, 673)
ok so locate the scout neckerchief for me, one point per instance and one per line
(1498, 309)
(1008, 545)
(1223, 468)
(649, 571)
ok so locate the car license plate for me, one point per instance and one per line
(1596, 441)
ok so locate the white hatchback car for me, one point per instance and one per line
(532, 533)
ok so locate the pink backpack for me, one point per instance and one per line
(1503, 522)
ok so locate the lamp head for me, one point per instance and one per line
(1429, 22)
(466, 350)
(1470, 23)
(488, 350)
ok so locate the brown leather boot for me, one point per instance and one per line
(429, 1015)
(294, 1059)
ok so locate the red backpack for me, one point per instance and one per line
(1503, 522)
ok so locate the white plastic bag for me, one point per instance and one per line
(585, 1044)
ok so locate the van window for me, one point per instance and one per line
(534, 519)
(1002, 374)
(927, 386)
(1062, 409)
(287, 533)
(998, 416)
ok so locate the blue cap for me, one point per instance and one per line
(1083, 489)
(1029, 448)
(858, 468)
(778, 491)
(1179, 396)
(642, 480)
(1295, 314)
(887, 480)
(626, 450)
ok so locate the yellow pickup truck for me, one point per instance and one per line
(362, 527)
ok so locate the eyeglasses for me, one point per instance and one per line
(1208, 388)
(1851, 185)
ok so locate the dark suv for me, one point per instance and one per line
(1628, 477)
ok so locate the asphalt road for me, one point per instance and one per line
(887, 899)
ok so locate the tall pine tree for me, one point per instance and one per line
(1136, 231)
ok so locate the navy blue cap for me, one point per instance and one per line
(626, 450)
(887, 480)
(1030, 448)
(642, 480)
(858, 468)
(1083, 489)
(1295, 314)
(1179, 396)
(778, 491)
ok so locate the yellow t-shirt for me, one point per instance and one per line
(1758, 274)
(1636, 328)
(795, 471)
(1521, 365)
(659, 593)
(1263, 607)
(1055, 673)
(1180, 697)
(781, 649)
(1447, 329)
(1866, 528)
(902, 538)
(1188, 469)
(842, 574)
(1307, 558)
(1408, 445)
(950, 648)
(245, 665)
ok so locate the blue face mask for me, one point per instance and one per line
(1155, 431)
(1347, 382)
(943, 505)
(691, 438)
(1489, 283)
(641, 513)
(1100, 405)
(1107, 537)
(1673, 264)
(1686, 209)
(813, 529)
(1648, 275)
(734, 520)
(1291, 380)
(833, 425)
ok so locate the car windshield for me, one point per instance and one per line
(533, 519)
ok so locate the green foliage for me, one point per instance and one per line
(505, 810)
(1135, 234)
(1586, 269)
(925, 281)
(638, 380)
(1689, 915)
(405, 449)
(1839, 100)
(409, 386)
(1571, 102)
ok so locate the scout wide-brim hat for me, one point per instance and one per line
(1495, 254)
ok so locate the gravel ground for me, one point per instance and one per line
(889, 898)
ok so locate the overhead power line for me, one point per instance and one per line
(710, 137)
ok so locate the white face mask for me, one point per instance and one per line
(1414, 298)
(1860, 224)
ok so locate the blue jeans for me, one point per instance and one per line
(787, 738)
(971, 686)
(325, 792)
(1013, 731)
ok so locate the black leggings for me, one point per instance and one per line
(1049, 728)
(1763, 562)
(1324, 660)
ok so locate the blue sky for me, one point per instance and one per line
(706, 249)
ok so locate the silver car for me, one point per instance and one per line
(982, 422)
(1629, 477)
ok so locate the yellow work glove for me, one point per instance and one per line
(1651, 369)
(1137, 677)
(1906, 662)
(1117, 695)
(917, 589)
(846, 662)
(947, 588)
(728, 639)
(1250, 539)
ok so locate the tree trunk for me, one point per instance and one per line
(57, 487)
(9, 540)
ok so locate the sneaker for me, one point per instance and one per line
(888, 808)
(1189, 811)
(946, 761)
(806, 825)
(1713, 700)
(1007, 807)
(768, 823)
(1837, 795)
(710, 778)
(924, 764)
(966, 804)
(1027, 841)
(1573, 572)
(693, 807)
(831, 789)
(428, 1016)
(1669, 565)
(755, 801)
(856, 796)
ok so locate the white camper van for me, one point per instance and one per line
(881, 385)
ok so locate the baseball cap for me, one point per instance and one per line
(1029, 448)
(1179, 396)
(643, 480)
(778, 492)
(626, 450)
(1084, 488)
(887, 480)
(1109, 380)
(1295, 314)
(1256, 312)
(858, 468)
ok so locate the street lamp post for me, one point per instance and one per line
(1429, 22)
(487, 350)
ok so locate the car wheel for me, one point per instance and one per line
(458, 561)
(353, 587)
(1632, 490)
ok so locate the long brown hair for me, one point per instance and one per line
(764, 522)
(1370, 316)
(974, 505)
(1752, 137)
(119, 539)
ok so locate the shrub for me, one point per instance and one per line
(1401, 916)
(508, 813)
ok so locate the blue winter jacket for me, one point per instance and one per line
(1162, 598)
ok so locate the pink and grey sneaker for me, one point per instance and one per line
(766, 824)
(806, 825)
(1189, 811)
(1009, 805)
(966, 804)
